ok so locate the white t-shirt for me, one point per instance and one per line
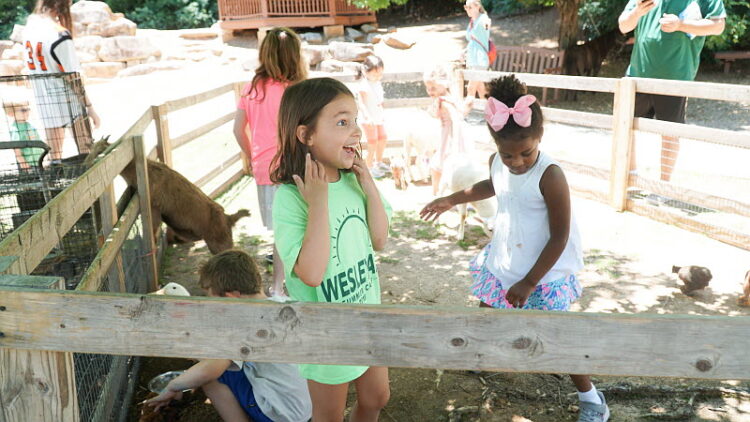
(373, 101)
(522, 226)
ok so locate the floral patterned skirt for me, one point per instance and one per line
(556, 295)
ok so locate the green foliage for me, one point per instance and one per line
(11, 13)
(596, 17)
(377, 4)
(736, 35)
(174, 14)
(514, 7)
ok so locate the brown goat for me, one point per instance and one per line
(187, 211)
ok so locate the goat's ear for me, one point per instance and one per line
(302, 135)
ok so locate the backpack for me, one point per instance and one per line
(490, 49)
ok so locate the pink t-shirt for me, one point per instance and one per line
(262, 113)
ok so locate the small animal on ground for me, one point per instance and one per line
(693, 277)
(460, 172)
(744, 300)
(188, 212)
(398, 170)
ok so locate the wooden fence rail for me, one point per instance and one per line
(650, 345)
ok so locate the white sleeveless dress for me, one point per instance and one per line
(521, 232)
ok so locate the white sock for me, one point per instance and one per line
(590, 396)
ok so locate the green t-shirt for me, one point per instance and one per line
(351, 276)
(23, 131)
(669, 55)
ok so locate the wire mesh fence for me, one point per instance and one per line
(102, 381)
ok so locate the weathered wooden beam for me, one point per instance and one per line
(693, 89)
(181, 103)
(461, 338)
(583, 83)
(36, 385)
(93, 278)
(622, 143)
(207, 178)
(147, 218)
(730, 138)
(39, 234)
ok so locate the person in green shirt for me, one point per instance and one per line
(22, 130)
(669, 37)
(328, 219)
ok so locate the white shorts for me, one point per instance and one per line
(265, 201)
(57, 104)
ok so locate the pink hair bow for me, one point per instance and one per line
(497, 113)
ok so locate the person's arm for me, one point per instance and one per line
(477, 192)
(556, 194)
(240, 132)
(21, 159)
(196, 376)
(363, 95)
(698, 27)
(628, 19)
(377, 218)
(313, 257)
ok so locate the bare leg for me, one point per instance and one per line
(55, 138)
(670, 148)
(582, 382)
(278, 273)
(370, 153)
(328, 401)
(380, 149)
(224, 402)
(436, 181)
(373, 393)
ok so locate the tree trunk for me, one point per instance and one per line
(568, 10)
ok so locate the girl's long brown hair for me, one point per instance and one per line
(60, 7)
(300, 106)
(280, 59)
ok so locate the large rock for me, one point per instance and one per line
(96, 18)
(198, 34)
(333, 65)
(368, 28)
(350, 52)
(127, 48)
(143, 69)
(15, 52)
(399, 41)
(88, 44)
(314, 53)
(312, 37)
(354, 34)
(11, 67)
(120, 26)
(102, 69)
(374, 38)
(17, 34)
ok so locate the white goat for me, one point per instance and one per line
(460, 172)
(421, 140)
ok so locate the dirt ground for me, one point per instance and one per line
(628, 258)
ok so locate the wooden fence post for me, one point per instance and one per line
(457, 85)
(108, 213)
(144, 196)
(622, 143)
(163, 141)
(36, 385)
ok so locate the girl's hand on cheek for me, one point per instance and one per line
(314, 188)
(362, 172)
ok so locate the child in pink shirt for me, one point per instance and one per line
(255, 123)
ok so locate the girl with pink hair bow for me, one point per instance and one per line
(535, 252)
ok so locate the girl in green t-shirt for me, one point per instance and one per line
(328, 219)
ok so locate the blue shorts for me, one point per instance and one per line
(243, 391)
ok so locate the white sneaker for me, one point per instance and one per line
(376, 172)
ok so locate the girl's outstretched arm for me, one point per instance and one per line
(477, 192)
(556, 194)
(312, 259)
(377, 218)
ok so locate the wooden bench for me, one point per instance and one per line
(729, 56)
(529, 60)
